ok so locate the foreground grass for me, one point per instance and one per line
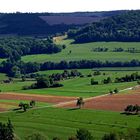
(63, 123)
(84, 51)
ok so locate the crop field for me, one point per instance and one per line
(84, 51)
(116, 102)
(63, 123)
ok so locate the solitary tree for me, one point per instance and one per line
(32, 103)
(80, 102)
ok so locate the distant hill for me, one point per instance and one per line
(122, 27)
(47, 23)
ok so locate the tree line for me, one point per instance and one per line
(15, 47)
(17, 68)
(119, 49)
(123, 27)
(127, 78)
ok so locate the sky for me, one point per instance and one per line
(67, 5)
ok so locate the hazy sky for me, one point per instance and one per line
(66, 5)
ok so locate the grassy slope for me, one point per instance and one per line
(64, 123)
(3, 76)
(74, 87)
(83, 51)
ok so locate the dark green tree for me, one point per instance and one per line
(83, 134)
(80, 102)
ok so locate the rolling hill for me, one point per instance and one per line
(43, 24)
(124, 27)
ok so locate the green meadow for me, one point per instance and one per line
(84, 51)
(78, 87)
(63, 123)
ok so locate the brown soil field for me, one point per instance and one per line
(110, 102)
(41, 98)
(2, 109)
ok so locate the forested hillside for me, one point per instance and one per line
(44, 24)
(15, 47)
(123, 27)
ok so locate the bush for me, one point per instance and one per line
(93, 82)
(57, 85)
(83, 134)
(36, 136)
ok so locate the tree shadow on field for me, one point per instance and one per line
(75, 108)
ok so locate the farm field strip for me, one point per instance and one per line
(57, 101)
(116, 102)
(84, 51)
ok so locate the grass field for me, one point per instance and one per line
(75, 86)
(83, 51)
(14, 86)
(12, 104)
(63, 123)
(3, 76)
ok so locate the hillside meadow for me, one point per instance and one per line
(77, 87)
(84, 51)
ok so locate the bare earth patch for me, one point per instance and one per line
(111, 102)
(41, 98)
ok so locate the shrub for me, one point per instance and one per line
(36, 136)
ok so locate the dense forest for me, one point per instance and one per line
(123, 27)
(15, 47)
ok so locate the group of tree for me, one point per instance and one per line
(100, 49)
(6, 131)
(43, 82)
(132, 109)
(113, 91)
(128, 78)
(119, 49)
(82, 64)
(25, 106)
(123, 27)
(130, 50)
(104, 81)
(15, 47)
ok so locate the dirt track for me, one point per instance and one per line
(104, 102)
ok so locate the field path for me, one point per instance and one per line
(97, 102)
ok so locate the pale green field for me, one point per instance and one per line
(75, 86)
(3, 76)
(83, 51)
